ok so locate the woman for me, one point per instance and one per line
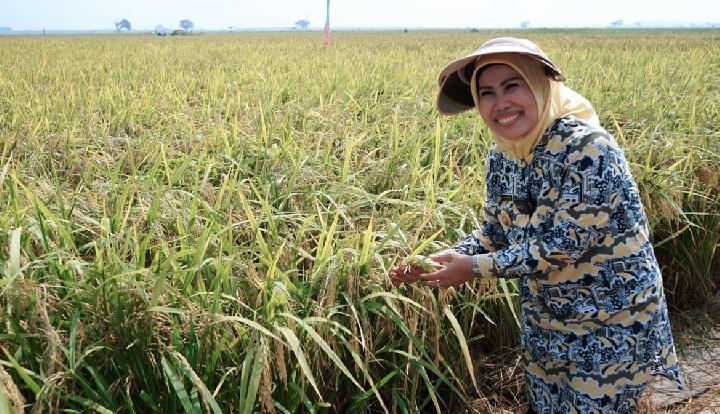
(563, 215)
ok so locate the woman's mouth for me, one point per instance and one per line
(507, 120)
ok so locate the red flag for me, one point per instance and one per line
(326, 29)
(326, 33)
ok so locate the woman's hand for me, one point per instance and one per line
(456, 271)
(406, 274)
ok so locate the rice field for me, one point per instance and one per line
(205, 223)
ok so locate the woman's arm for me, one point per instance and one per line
(489, 238)
(589, 193)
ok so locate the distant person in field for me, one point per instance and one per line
(563, 215)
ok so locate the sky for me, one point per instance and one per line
(221, 14)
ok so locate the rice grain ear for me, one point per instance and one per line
(280, 359)
(266, 382)
(53, 355)
(11, 392)
(425, 263)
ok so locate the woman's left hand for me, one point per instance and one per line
(456, 271)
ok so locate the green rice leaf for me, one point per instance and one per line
(22, 372)
(177, 385)
(300, 355)
(463, 345)
(252, 389)
(165, 309)
(13, 266)
(90, 404)
(325, 347)
(505, 287)
(249, 323)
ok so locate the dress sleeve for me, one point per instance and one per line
(489, 238)
(589, 191)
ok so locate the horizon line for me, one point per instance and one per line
(228, 29)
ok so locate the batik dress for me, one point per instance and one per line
(570, 225)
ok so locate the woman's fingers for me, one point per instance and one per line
(440, 273)
(443, 257)
(405, 274)
(455, 271)
(437, 278)
(434, 279)
(434, 284)
(413, 273)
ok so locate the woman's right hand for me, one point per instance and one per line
(406, 274)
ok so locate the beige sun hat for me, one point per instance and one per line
(455, 95)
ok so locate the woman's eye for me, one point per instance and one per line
(510, 86)
(485, 93)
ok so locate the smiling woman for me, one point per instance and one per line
(563, 215)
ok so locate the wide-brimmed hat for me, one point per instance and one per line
(455, 95)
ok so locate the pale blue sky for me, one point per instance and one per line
(219, 14)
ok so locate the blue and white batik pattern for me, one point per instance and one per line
(570, 225)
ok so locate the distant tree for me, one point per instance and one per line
(524, 25)
(617, 23)
(186, 24)
(302, 24)
(123, 24)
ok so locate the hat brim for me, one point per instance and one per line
(455, 96)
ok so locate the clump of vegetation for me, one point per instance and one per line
(187, 231)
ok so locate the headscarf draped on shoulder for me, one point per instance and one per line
(458, 89)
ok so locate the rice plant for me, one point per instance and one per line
(206, 223)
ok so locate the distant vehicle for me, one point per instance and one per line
(159, 30)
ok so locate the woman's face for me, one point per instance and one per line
(507, 105)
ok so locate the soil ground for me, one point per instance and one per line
(700, 364)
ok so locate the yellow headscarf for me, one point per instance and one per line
(553, 99)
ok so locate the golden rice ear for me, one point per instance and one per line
(11, 391)
(425, 263)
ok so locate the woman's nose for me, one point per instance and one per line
(501, 102)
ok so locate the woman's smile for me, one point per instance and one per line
(508, 120)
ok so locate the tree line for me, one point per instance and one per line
(124, 24)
